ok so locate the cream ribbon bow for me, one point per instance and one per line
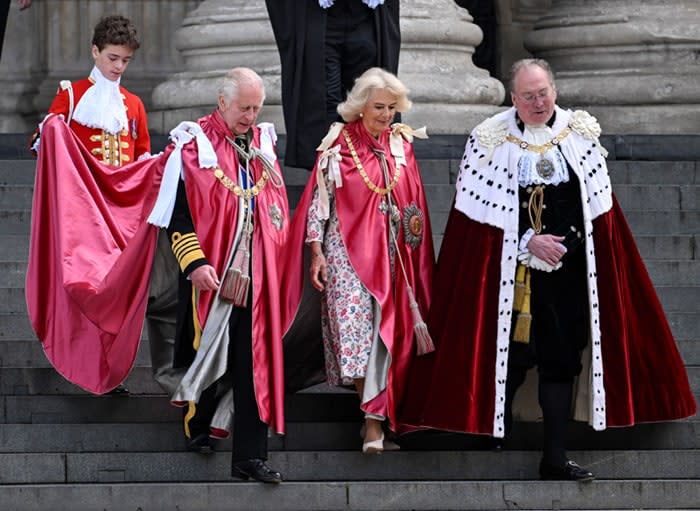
(399, 131)
(330, 162)
(180, 135)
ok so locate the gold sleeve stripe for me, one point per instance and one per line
(186, 249)
(195, 321)
(184, 246)
(189, 258)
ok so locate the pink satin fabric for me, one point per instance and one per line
(215, 214)
(90, 258)
(366, 237)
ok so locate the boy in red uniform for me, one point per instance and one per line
(111, 123)
(106, 117)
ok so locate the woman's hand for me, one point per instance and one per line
(318, 269)
(547, 247)
(204, 278)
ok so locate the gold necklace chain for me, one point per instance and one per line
(539, 149)
(246, 193)
(365, 177)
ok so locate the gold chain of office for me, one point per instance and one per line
(246, 193)
(539, 149)
(376, 189)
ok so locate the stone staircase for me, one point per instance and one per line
(61, 448)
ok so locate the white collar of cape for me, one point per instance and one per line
(102, 105)
(182, 134)
(487, 192)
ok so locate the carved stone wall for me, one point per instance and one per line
(633, 64)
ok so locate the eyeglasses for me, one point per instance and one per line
(531, 98)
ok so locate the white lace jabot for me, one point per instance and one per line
(102, 105)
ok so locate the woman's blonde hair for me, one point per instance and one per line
(373, 79)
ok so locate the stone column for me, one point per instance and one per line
(515, 19)
(450, 95)
(215, 37)
(21, 68)
(632, 64)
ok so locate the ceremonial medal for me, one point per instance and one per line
(276, 216)
(413, 225)
(544, 167)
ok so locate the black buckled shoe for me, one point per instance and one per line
(119, 390)
(200, 444)
(571, 471)
(256, 469)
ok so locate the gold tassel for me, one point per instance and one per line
(424, 343)
(519, 292)
(524, 319)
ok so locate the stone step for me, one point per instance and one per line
(662, 273)
(445, 170)
(311, 407)
(16, 196)
(618, 495)
(440, 196)
(654, 172)
(679, 298)
(20, 348)
(658, 197)
(642, 222)
(29, 353)
(15, 247)
(160, 436)
(39, 380)
(679, 247)
(17, 171)
(87, 468)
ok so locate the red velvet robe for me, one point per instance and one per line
(365, 235)
(90, 258)
(214, 212)
(454, 387)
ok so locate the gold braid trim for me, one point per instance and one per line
(365, 177)
(186, 248)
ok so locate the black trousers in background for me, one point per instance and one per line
(4, 13)
(249, 432)
(350, 50)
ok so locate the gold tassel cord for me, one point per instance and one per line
(534, 208)
(523, 321)
(424, 343)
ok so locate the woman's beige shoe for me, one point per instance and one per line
(374, 446)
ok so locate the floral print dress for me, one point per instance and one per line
(347, 310)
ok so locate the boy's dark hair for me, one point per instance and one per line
(116, 30)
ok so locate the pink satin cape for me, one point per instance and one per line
(214, 212)
(366, 237)
(90, 258)
(454, 387)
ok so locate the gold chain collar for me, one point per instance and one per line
(246, 193)
(259, 186)
(539, 149)
(365, 177)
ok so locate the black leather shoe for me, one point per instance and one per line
(256, 469)
(571, 471)
(119, 390)
(200, 444)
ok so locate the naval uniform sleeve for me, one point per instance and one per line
(183, 238)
